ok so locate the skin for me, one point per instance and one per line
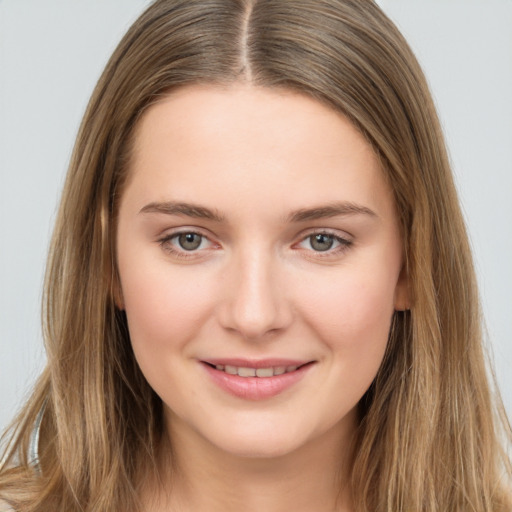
(256, 288)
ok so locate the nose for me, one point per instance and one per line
(255, 303)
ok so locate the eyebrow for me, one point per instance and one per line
(304, 214)
(331, 210)
(185, 209)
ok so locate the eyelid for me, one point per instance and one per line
(344, 240)
(336, 233)
(165, 242)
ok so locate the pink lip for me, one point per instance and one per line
(255, 363)
(256, 388)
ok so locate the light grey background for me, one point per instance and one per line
(51, 54)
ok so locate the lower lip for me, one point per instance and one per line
(256, 388)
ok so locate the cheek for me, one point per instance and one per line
(352, 315)
(354, 328)
(164, 308)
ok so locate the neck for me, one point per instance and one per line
(207, 479)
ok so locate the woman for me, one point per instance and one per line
(253, 297)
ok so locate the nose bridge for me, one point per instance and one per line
(256, 305)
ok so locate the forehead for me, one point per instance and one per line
(260, 144)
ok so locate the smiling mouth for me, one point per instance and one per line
(256, 380)
(243, 371)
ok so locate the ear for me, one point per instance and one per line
(402, 292)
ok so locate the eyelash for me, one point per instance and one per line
(169, 247)
(343, 244)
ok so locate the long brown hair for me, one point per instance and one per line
(432, 435)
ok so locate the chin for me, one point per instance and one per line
(250, 446)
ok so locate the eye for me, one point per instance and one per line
(189, 241)
(321, 242)
(324, 242)
(185, 243)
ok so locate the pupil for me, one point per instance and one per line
(321, 242)
(189, 241)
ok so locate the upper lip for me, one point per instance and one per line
(255, 363)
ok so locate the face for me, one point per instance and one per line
(260, 261)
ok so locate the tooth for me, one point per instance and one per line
(246, 372)
(291, 368)
(264, 372)
(232, 370)
(279, 370)
(220, 367)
